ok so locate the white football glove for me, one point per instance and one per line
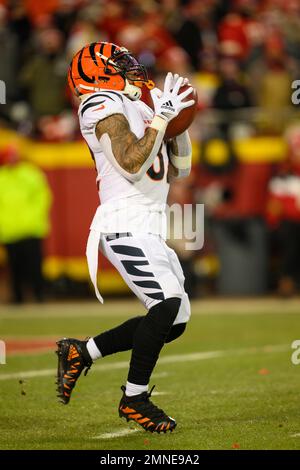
(169, 102)
(175, 78)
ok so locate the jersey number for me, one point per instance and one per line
(157, 175)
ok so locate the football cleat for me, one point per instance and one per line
(73, 358)
(141, 410)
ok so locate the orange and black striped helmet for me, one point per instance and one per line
(103, 65)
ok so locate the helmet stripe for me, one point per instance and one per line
(70, 75)
(92, 52)
(101, 52)
(81, 72)
(107, 50)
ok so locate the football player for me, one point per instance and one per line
(126, 140)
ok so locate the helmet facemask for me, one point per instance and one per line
(135, 75)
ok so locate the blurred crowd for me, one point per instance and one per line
(241, 55)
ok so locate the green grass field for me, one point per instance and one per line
(229, 381)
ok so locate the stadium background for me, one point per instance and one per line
(232, 380)
(241, 55)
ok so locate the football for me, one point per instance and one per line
(185, 118)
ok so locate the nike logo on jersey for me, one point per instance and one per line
(100, 107)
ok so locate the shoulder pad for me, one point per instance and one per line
(99, 106)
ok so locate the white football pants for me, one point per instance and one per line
(149, 267)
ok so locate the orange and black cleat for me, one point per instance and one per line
(73, 358)
(141, 410)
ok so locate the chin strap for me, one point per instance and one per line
(133, 91)
(149, 84)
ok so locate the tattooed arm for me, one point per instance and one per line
(131, 156)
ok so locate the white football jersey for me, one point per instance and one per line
(125, 206)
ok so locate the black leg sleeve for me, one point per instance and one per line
(175, 332)
(120, 338)
(149, 338)
(117, 339)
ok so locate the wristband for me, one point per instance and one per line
(159, 123)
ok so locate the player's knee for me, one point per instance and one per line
(163, 314)
(181, 319)
(184, 312)
(175, 331)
